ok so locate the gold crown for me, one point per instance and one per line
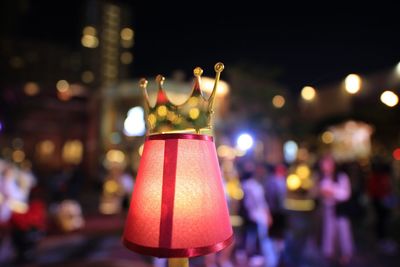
(193, 115)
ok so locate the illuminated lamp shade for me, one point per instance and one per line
(178, 207)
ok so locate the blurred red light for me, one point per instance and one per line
(396, 154)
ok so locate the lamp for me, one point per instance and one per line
(178, 207)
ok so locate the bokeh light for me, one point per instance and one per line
(308, 93)
(290, 149)
(293, 182)
(278, 101)
(31, 88)
(389, 98)
(244, 142)
(327, 137)
(134, 124)
(352, 83)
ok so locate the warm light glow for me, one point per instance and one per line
(115, 155)
(31, 88)
(398, 69)
(299, 204)
(293, 182)
(308, 93)
(307, 184)
(162, 111)
(72, 152)
(127, 34)
(90, 41)
(327, 137)
(396, 154)
(126, 58)
(194, 113)
(278, 101)
(207, 85)
(352, 83)
(225, 151)
(389, 98)
(18, 156)
(89, 30)
(62, 86)
(87, 76)
(303, 171)
(111, 187)
(151, 119)
(46, 148)
(244, 142)
(134, 124)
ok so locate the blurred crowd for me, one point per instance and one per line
(282, 214)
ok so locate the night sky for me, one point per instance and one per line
(309, 43)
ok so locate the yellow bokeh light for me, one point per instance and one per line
(89, 30)
(90, 41)
(389, 98)
(398, 69)
(307, 184)
(278, 101)
(115, 155)
(327, 137)
(111, 187)
(31, 88)
(225, 151)
(308, 93)
(193, 101)
(194, 113)
(18, 156)
(127, 34)
(46, 148)
(126, 58)
(162, 111)
(62, 86)
(152, 120)
(293, 182)
(352, 83)
(87, 76)
(303, 171)
(72, 151)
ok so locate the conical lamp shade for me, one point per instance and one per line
(178, 207)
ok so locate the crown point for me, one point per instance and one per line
(160, 79)
(143, 83)
(198, 71)
(219, 67)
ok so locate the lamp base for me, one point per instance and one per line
(178, 262)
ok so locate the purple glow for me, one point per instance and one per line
(1, 126)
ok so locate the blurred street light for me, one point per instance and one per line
(396, 154)
(389, 98)
(308, 93)
(62, 86)
(352, 83)
(398, 69)
(290, 151)
(327, 137)
(244, 142)
(278, 101)
(134, 124)
(31, 88)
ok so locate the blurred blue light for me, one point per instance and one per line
(244, 142)
(1, 126)
(290, 151)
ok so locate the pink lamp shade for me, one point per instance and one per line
(178, 207)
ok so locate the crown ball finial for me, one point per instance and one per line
(143, 83)
(219, 67)
(160, 79)
(198, 71)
